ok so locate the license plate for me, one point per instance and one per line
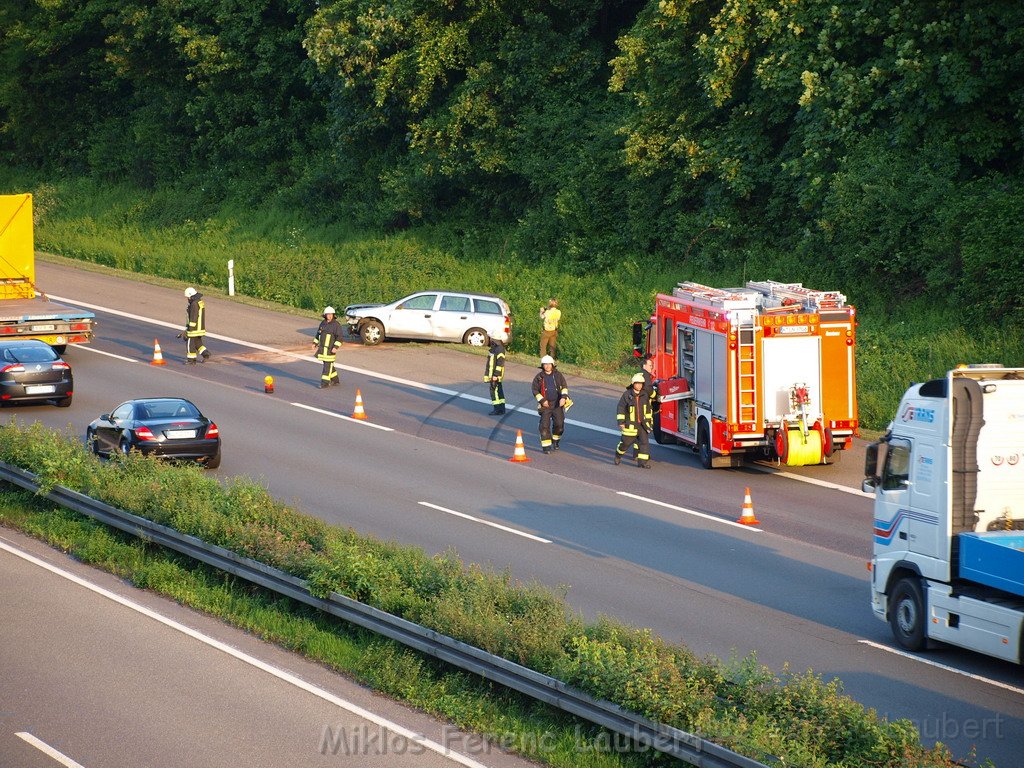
(179, 434)
(44, 327)
(40, 389)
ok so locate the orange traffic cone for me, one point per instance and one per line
(747, 516)
(520, 452)
(158, 356)
(359, 413)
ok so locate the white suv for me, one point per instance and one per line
(470, 318)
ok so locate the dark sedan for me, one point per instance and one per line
(169, 427)
(32, 370)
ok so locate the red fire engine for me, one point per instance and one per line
(761, 371)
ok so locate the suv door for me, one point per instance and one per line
(412, 318)
(453, 318)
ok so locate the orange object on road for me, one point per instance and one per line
(359, 413)
(520, 452)
(158, 356)
(747, 515)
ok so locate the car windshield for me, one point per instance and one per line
(166, 409)
(29, 353)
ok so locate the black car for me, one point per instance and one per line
(169, 427)
(31, 370)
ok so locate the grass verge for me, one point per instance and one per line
(288, 259)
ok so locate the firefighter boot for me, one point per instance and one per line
(618, 458)
(206, 355)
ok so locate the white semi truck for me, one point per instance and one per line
(948, 481)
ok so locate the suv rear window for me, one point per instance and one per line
(455, 303)
(487, 307)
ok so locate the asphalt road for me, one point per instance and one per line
(656, 548)
(102, 674)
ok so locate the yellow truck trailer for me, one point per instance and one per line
(25, 311)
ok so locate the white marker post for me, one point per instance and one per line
(231, 277)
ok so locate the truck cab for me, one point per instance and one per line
(948, 481)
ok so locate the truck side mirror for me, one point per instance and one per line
(638, 338)
(871, 466)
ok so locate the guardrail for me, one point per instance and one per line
(672, 741)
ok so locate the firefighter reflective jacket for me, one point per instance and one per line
(495, 368)
(542, 386)
(196, 316)
(635, 411)
(328, 336)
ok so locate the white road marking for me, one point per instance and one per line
(485, 522)
(812, 481)
(245, 658)
(945, 667)
(363, 422)
(419, 385)
(693, 512)
(107, 354)
(47, 750)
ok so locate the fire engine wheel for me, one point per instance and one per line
(906, 614)
(704, 445)
(662, 438)
(372, 333)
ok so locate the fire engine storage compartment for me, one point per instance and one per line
(995, 559)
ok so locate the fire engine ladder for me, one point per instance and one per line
(746, 342)
(812, 300)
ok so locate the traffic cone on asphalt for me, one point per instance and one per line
(520, 452)
(158, 356)
(359, 413)
(747, 516)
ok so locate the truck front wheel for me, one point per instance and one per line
(704, 446)
(906, 614)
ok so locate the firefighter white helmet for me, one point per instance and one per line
(190, 292)
(329, 310)
(547, 360)
(638, 378)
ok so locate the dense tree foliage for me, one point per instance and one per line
(876, 144)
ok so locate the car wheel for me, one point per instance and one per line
(124, 446)
(372, 332)
(476, 337)
(704, 445)
(662, 438)
(214, 461)
(906, 614)
(64, 402)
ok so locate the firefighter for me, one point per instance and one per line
(650, 383)
(550, 317)
(328, 340)
(495, 372)
(195, 327)
(552, 395)
(636, 421)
